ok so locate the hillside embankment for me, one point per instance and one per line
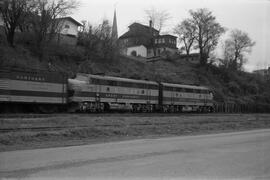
(234, 87)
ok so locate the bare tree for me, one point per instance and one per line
(158, 18)
(207, 33)
(186, 33)
(13, 13)
(45, 18)
(235, 48)
(98, 41)
(227, 59)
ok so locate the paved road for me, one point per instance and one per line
(243, 155)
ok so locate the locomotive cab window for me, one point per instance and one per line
(71, 93)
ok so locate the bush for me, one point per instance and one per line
(251, 88)
(234, 87)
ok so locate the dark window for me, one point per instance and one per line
(108, 89)
(112, 83)
(142, 91)
(67, 26)
(134, 53)
(189, 90)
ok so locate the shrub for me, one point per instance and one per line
(234, 87)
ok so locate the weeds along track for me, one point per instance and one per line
(57, 128)
(201, 120)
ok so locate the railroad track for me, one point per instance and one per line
(10, 116)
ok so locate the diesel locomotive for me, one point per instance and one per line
(44, 91)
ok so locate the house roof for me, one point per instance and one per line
(262, 70)
(140, 31)
(167, 35)
(143, 26)
(70, 19)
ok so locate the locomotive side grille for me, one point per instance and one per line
(3, 84)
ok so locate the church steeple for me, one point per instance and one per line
(114, 27)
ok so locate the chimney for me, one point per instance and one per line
(150, 23)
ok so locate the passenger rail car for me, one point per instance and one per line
(32, 90)
(99, 93)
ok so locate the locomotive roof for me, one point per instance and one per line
(79, 75)
(184, 86)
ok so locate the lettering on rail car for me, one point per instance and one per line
(30, 78)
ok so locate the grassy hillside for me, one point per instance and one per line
(228, 86)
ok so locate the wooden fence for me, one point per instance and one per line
(241, 108)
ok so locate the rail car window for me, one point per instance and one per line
(168, 88)
(203, 91)
(108, 89)
(198, 91)
(142, 91)
(112, 83)
(95, 81)
(189, 90)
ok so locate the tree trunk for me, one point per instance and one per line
(235, 61)
(202, 57)
(10, 37)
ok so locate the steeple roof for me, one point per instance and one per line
(114, 27)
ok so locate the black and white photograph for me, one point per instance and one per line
(134, 89)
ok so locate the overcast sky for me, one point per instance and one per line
(251, 16)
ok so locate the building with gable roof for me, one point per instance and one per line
(68, 33)
(145, 41)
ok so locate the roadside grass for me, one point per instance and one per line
(71, 129)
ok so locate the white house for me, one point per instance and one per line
(137, 51)
(68, 32)
(145, 41)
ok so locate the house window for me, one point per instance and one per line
(67, 26)
(134, 53)
(163, 40)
